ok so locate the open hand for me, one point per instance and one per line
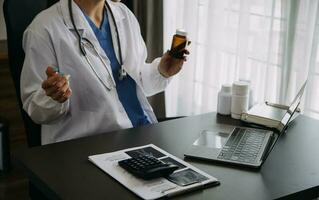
(56, 86)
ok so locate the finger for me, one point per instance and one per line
(53, 89)
(51, 81)
(175, 56)
(57, 96)
(181, 54)
(56, 81)
(64, 88)
(50, 71)
(62, 97)
(60, 91)
(186, 52)
(68, 93)
(66, 96)
(50, 91)
(61, 82)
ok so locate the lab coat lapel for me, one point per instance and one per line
(104, 73)
(124, 36)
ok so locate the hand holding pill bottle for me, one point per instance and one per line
(179, 44)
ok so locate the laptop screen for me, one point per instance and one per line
(293, 106)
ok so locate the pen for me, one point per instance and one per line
(277, 105)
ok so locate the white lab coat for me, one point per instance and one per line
(50, 40)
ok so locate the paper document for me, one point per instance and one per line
(185, 178)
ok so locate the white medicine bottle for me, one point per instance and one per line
(240, 99)
(251, 101)
(224, 100)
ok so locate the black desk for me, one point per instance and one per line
(62, 171)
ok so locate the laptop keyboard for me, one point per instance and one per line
(243, 145)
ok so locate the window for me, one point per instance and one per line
(270, 42)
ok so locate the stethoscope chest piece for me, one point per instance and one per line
(122, 74)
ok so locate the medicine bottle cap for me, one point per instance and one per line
(181, 32)
(245, 80)
(240, 88)
(226, 88)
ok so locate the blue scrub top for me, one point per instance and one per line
(126, 88)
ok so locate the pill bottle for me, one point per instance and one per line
(224, 100)
(179, 43)
(240, 99)
(251, 94)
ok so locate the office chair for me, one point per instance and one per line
(4, 147)
(18, 15)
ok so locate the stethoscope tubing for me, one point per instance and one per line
(117, 32)
(122, 72)
(102, 60)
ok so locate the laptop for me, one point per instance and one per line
(241, 145)
(270, 115)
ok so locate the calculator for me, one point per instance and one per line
(147, 167)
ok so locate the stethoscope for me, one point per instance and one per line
(83, 40)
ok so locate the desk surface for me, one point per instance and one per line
(62, 170)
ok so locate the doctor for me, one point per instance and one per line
(99, 45)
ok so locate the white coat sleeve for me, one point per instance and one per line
(152, 81)
(39, 54)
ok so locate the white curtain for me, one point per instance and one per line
(272, 43)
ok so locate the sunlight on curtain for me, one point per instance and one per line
(272, 43)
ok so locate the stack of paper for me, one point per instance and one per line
(186, 178)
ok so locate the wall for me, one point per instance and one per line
(3, 34)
